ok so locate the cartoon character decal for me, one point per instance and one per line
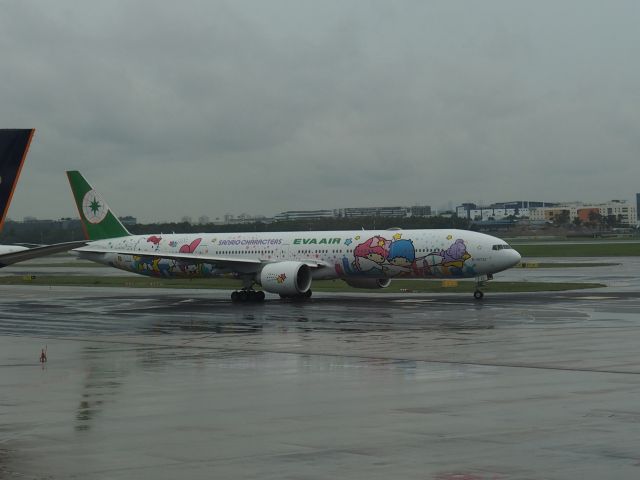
(402, 256)
(371, 255)
(155, 242)
(378, 256)
(445, 262)
(191, 247)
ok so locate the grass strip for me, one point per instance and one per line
(580, 250)
(82, 264)
(565, 264)
(397, 286)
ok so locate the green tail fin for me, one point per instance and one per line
(98, 221)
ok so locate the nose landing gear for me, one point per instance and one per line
(480, 282)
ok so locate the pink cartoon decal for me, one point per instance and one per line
(371, 255)
(281, 278)
(191, 247)
(153, 239)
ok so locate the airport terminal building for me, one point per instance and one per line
(624, 212)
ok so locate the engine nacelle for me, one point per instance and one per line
(286, 278)
(371, 283)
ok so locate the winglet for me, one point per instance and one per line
(14, 145)
(98, 221)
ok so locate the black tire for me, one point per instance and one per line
(307, 294)
(259, 297)
(234, 297)
(478, 295)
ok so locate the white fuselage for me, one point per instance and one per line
(443, 253)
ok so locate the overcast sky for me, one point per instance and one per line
(211, 107)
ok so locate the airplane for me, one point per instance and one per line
(14, 145)
(286, 263)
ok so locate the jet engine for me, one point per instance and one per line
(286, 278)
(371, 283)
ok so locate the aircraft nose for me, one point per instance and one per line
(515, 257)
(507, 258)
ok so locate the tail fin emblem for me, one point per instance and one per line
(94, 208)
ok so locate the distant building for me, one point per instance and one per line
(243, 218)
(350, 212)
(420, 211)
(304, 215)
(587, 214)
(624, 213)
(638, 206)
(375, 212)
(499, 211)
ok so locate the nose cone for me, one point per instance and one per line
(506, 258)
(515, 257)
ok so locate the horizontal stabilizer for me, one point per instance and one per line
(28, 254)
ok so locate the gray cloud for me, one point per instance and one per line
(207, 107)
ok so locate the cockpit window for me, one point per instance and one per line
(502, 247)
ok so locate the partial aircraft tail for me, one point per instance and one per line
(98, 221)
(14, 144)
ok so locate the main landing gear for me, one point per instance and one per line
(247, 295)
(301, 296)
(480, 282)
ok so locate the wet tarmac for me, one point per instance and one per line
(169, 384)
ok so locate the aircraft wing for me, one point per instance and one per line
(193, 257)
(29, 253)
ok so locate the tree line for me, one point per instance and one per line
(48, 232)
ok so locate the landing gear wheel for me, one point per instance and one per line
(259, 296)
(235, 297)
(307, 294)
(478, 295)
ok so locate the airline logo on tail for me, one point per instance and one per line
(94, 207)
(98, 222)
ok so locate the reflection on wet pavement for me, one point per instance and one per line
(184, 384)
